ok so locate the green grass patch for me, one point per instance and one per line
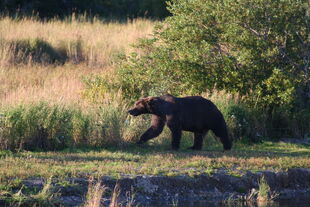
(152, 160)
(132, 160)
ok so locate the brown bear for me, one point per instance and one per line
(192, 113)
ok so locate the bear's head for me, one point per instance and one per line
(144, 106)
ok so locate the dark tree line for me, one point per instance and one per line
(120, 9)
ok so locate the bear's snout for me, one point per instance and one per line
(133, 112)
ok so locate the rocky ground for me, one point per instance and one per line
(213, 188)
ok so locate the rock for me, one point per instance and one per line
(34, 182)
(282, 180)
(71, 200)
(299, 178)
(145, 184)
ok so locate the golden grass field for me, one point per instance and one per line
(91, 48)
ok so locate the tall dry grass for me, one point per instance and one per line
(25, 84)
(87, 47)
(94, 193)
(96, 190)
(94, 42)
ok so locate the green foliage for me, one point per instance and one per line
(44, 127)
(257, 49)
(53, 127)
(108, 126)
(264, 192)
(248, 124)
(277, 90)
(240, 124)
(96, 87)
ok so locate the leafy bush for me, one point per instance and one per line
(257, 49)
(238, 121)
(203, 47)
(248, 124)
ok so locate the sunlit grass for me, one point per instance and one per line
(93, 42)
(87, 47)
(151, 160)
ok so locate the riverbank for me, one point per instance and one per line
(216, 189)
(154, 174)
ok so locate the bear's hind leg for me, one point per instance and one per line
(222, 133)
(198, 141)
(176, 137)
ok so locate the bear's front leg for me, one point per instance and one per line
(157, 126)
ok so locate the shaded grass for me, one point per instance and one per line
(152, 160)
(44, 126)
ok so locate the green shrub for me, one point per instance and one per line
(238, 121)
(96, 87)
(300, 124)
(264, 189)
(258, 53)
(81, 128)
(108, 125)
(43, 127)
(203, 47)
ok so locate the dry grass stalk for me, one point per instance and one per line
(94, 193)
(115, 196)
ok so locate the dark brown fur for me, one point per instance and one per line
(193, 113)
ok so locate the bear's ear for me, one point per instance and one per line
(152, 104)
(151, 101)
